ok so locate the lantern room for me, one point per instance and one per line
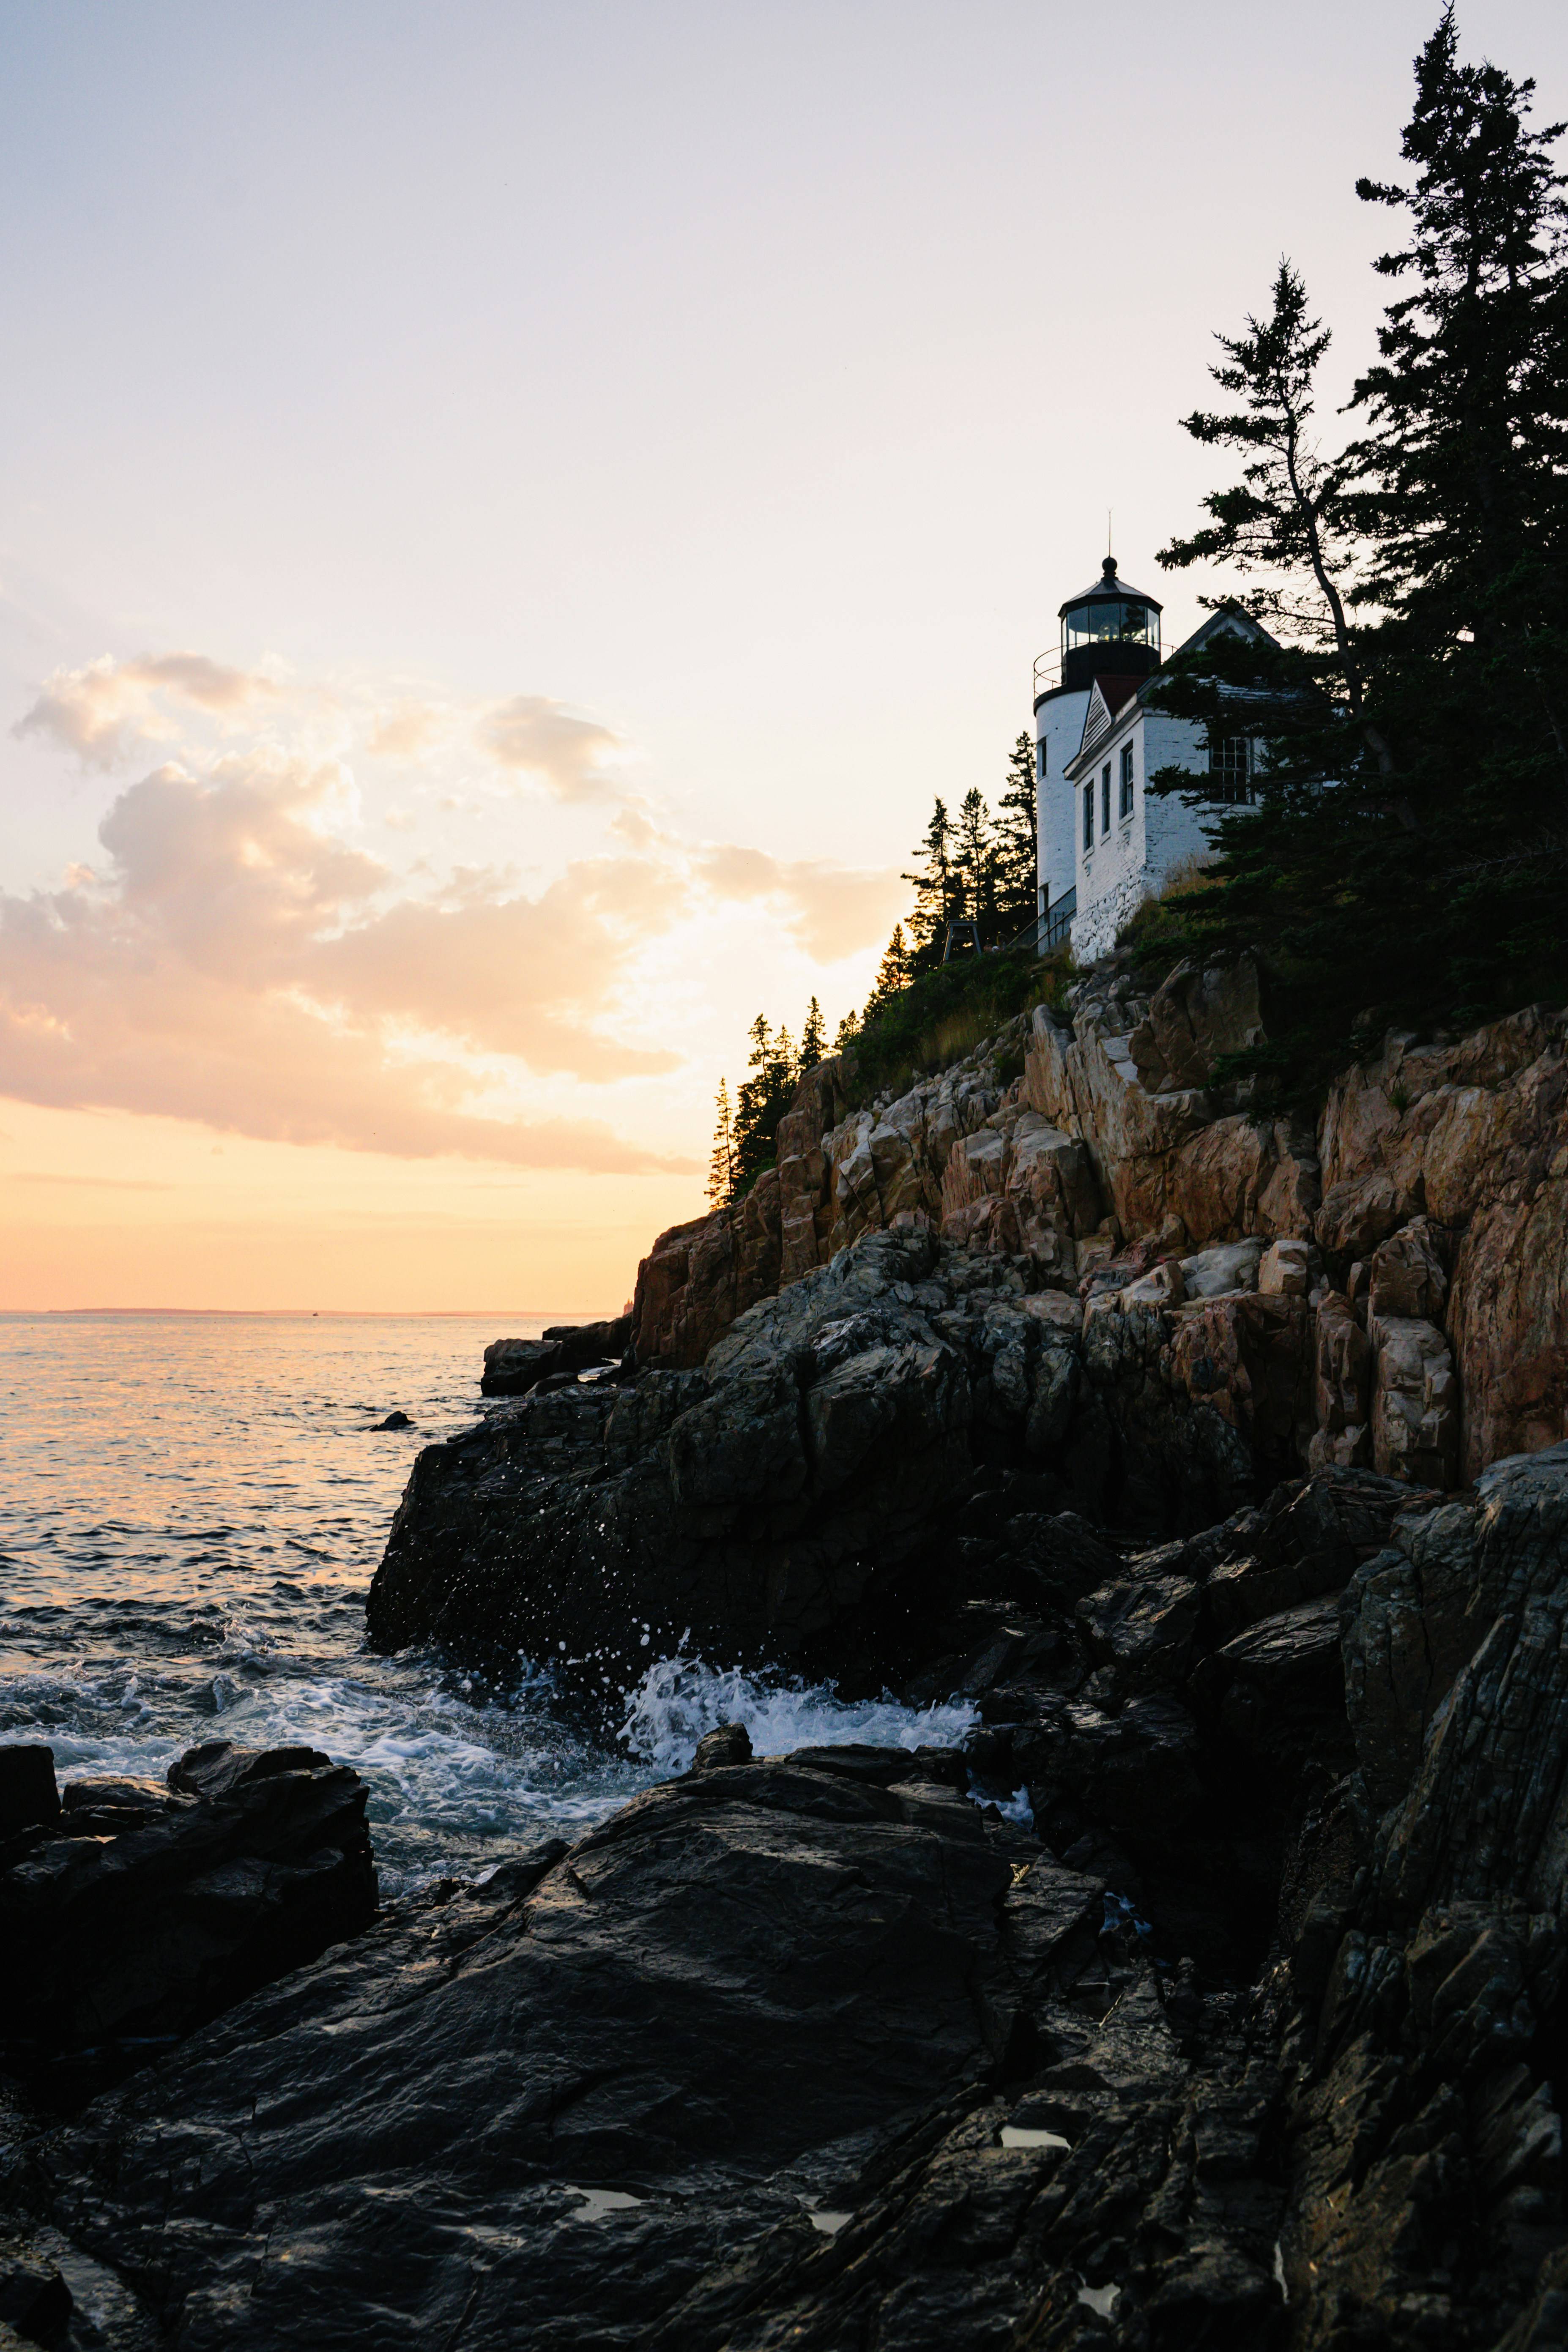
(1110, 628)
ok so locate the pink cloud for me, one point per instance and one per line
(534, 734)
(106, 710)
(833, 911)
(244, 965)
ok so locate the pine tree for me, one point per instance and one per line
(1467, 451)
(848, 1030)
(1297, 517)
(722, 1166)
(813, 1037)
(936, 888)
(1017, 859)
(974, 860)
(893, 976)
(782, 1069)
(1409, 857)
(761, 1101)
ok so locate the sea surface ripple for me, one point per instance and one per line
(191, 1510)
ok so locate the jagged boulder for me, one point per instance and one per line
(810, 1481)
(142, 1907)
(513, 1366)
(1427, 2191)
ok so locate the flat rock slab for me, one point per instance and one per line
(534, 2113)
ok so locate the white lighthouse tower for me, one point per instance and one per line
(1109, 637)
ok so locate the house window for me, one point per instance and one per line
(1105, 798)
(1126, 780)
(1089, 816)
(1230, 770)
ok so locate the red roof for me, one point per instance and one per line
(1117, 690)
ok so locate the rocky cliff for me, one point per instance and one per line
(1062, 1276)
(1431, 1204)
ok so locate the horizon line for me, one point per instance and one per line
(308, 1314)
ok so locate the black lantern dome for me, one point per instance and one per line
(1111, 630)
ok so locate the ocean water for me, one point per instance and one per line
(190, 1511)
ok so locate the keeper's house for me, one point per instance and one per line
(1105, 843)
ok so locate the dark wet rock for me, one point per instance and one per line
(144, 1908)
(897, 1430)
(27, 1792)
(512, 1367)
(988, 1643)
(539, 2111)
(1129, 1767)
(859, 1760)
(1277, 1689)
(1424, 2116)
(1260, 2043)
(35, 2301)
(1143, 1629)
(727, 1743)
(395, 1420)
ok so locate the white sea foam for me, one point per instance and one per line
(190, 1514)
(680, 1698)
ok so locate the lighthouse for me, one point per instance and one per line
(1100, 733)
(1109, 637)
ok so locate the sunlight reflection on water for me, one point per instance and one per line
(191, 1510)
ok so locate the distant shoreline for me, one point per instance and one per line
(310, 1313)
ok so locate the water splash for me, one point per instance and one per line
(680, 1698)
(191, 1509)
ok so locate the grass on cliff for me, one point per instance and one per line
(1342, 967)
(1160, 934)
(944, 1015)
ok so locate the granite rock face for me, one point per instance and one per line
(699, 1276)
(1434, 1191)
(800, 1495)
(1466, 1144)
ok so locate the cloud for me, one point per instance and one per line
(514, 975)
(532, 733)
(833, 911)
(408, 730)
(257, 950)
(244, 965)
(107, 709)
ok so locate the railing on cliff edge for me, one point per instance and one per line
(1039, 936)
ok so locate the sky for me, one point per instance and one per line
(510, 512)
